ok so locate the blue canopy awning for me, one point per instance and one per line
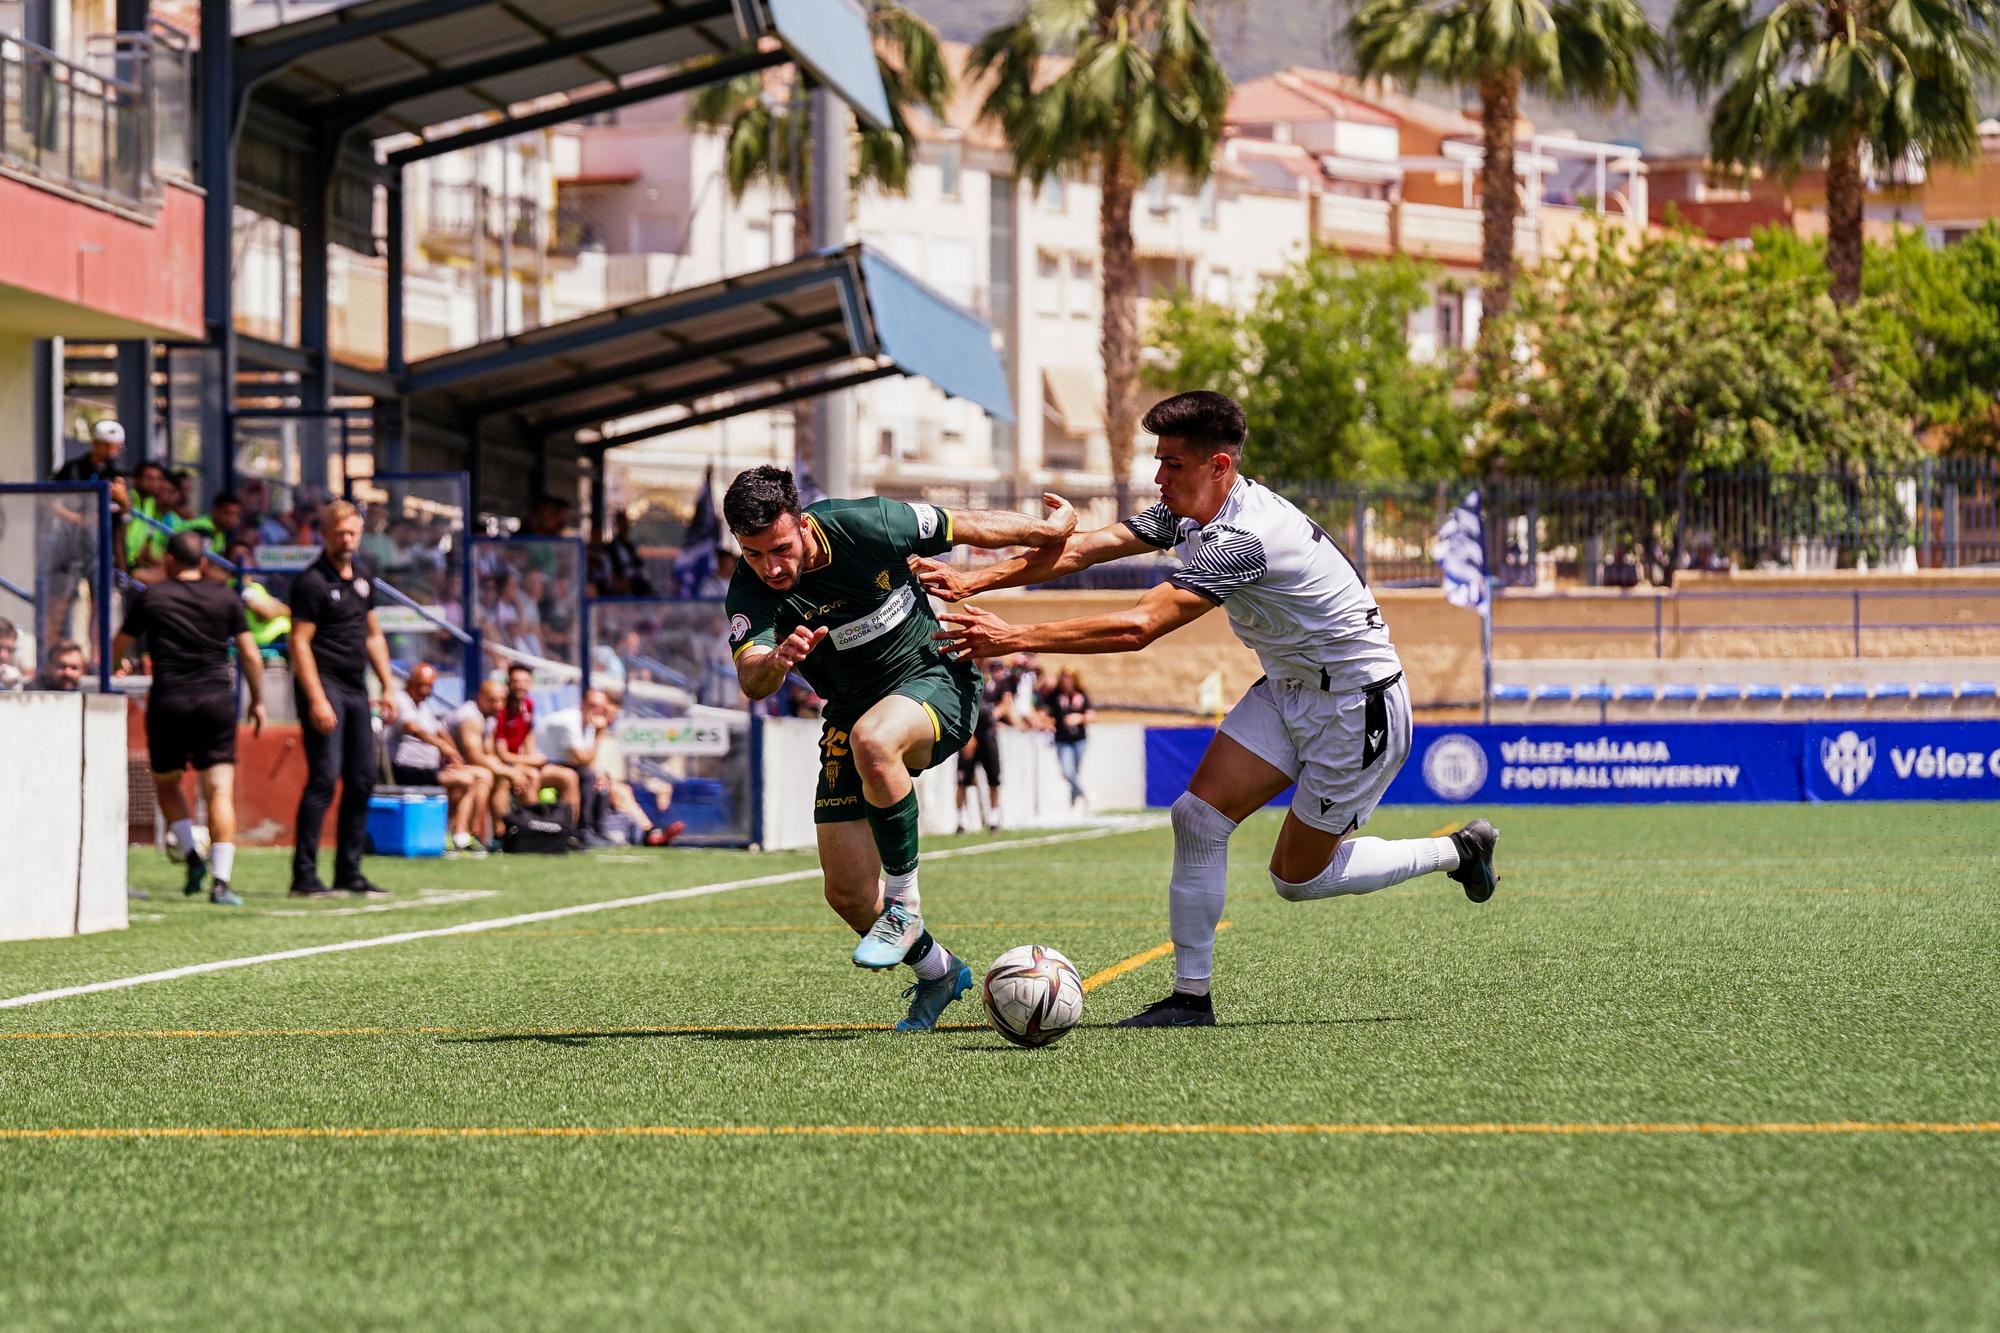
(824, 321)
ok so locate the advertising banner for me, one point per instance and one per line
(1902, 761)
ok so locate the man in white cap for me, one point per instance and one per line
(72, 555)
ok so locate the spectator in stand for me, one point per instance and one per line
(335, 641)
(514, 739)
(422, 753)
(183, 502)
(151, 523)
(715, 584)
(62, 668)
(1070, 716)
(558, 610)
(221, 522)
(624, 568)
(474, 725)
(270, 620)
(581, 739)
(69, 543)
(10, 642)
(189, 624)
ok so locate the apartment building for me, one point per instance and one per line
(102, 220)
(1946, 202)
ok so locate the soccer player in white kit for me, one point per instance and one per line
(1332, 713)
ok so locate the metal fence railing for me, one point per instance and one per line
(1940, 514)
(96, 131)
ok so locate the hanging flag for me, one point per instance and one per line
(696, 560)
(1461, 557)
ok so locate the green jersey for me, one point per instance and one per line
(878, 619)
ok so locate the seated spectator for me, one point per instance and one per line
(625, 568)
(220, 523)
(270, 619)
(715, 584)
(581, 739)
(10, 642)
(422, 753)
(514, 739)
(62, 668)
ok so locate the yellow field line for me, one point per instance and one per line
(1136, 961)
(1443, 829)
(1141, 1129)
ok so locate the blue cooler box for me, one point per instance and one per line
(406, 821)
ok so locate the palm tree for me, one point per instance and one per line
(771, 140)
(1141, 92)
(1588, 50)
(1825, 81)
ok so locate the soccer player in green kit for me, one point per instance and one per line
(827, 590)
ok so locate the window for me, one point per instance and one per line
(886, 444)
(1156, 193)
(948, 171)
(951, 269)
(1216, 287)
(1048, 284)
(1083, 291)
(1205, 202)
(1448, 323)
(1052, 195)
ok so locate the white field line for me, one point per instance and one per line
(426, 898)
(552, 914)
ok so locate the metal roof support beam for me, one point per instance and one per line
(666, 359)
(687, 393)
(258, 62)
(218, 109)
(630, 95)
(524, 350)
(762, 404)
(351, 111)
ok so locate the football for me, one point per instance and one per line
(1033, 995)
(177, 853)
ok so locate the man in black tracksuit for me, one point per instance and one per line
(335, 640)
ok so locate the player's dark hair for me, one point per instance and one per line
(1203, 418)
(758, 498)
(520, 666)
(184, 548)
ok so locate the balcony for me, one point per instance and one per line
(1356, 225)
(103, 136)
(463, 218)
(1452, 235)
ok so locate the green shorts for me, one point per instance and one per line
(948, 692)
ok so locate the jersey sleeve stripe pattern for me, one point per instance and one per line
(1155, 526)
(1229, 559)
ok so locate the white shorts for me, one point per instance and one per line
(1342, 748)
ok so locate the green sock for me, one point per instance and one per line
(895, 830)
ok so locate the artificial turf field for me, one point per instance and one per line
(1416, 1113)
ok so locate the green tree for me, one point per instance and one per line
(1322, 367)
(1589, 50)
(1826, 82)
(1136, 89)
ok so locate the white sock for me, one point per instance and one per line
(1363, 865)
(183, 832)
(1196, 890)
(903, 888)
(933, 964)
(222, 860)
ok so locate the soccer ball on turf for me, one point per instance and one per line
(1033, 995)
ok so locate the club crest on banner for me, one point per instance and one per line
(1455, 767)
(1848, 760)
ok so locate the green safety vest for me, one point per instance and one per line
(265, 632)
(143, 541)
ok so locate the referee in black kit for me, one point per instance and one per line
(335, 640)
(187, 624)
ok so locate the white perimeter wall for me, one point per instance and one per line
(62, 814)
(1033, 793)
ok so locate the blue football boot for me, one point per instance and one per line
(890, 938)
(928, 998)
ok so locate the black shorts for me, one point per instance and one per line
(415, 777)
(985, 754)
(190, 731)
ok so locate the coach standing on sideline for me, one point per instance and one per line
(188, 623)
(335, 640)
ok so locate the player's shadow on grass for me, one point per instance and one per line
(1002, 1046)
(690, 1034)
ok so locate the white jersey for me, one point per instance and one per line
(1292, 595)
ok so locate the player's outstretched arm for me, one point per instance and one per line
(762, 671)
(970, 632)
(996, 529)
(1080, 550)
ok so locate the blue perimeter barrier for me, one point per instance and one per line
(1659, 763)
